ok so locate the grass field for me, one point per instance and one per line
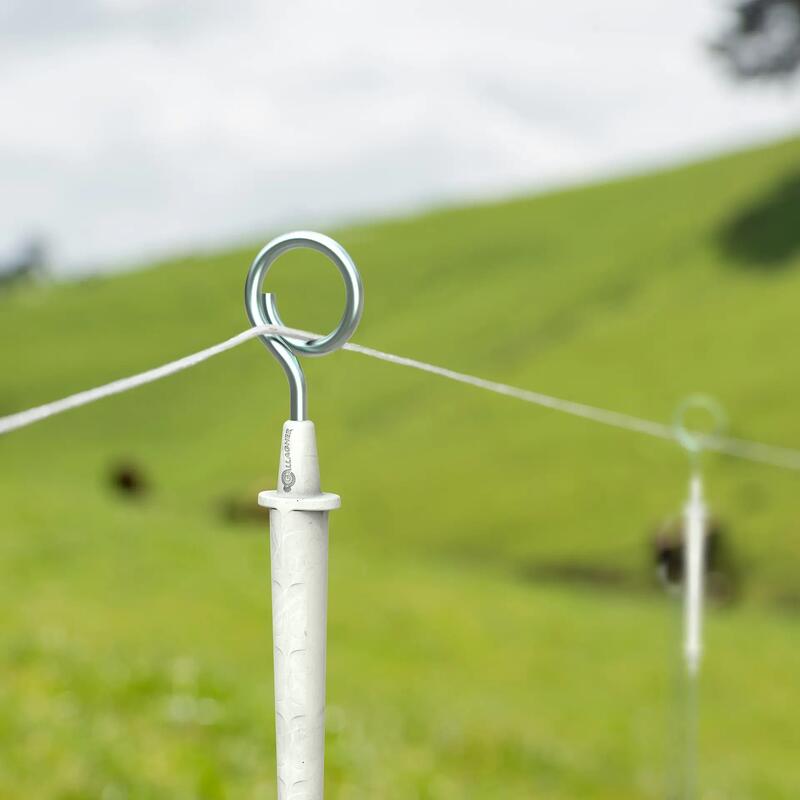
(135, 655)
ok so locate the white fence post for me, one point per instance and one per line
(298, 521)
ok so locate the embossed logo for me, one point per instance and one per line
(288, 479)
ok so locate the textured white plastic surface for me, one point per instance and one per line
(298, 522)
(694, 549)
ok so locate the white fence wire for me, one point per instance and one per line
(739, 448)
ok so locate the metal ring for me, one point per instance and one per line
(262, 308)
(694, 442)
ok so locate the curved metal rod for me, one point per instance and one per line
(262, 309)
(692, 441)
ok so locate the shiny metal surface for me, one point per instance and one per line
(262, 309)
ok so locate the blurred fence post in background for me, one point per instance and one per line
(695, 518)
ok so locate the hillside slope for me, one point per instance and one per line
(627, 295)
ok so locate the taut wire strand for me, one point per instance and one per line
(777, 456)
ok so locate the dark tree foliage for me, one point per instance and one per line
(764, 39)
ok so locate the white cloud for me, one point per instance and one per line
(131, 129)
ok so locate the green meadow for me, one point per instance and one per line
(495, 628)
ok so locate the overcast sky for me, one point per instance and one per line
(132, 128)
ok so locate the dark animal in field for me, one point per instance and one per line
(242, 508)
(128, 479)
(667, 556)
(241, 511)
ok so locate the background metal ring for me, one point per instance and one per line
(692, 441)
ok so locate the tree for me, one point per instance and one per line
(763, 41)
(29, 262)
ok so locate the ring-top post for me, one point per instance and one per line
(298, 521)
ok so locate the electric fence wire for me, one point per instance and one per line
(739, 448)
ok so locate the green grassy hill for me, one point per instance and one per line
(135, 659)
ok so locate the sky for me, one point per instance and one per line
(134, 129)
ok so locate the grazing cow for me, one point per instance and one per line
(128, 479)
(721, 570)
